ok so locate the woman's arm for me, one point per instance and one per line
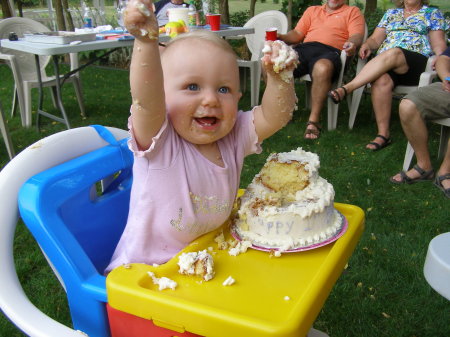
(146, 77)
(437, 41)
(373, 42)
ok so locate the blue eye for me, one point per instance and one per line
(193, 87)
(224, 90)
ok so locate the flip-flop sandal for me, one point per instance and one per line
(438, 183)
(335, 97)
(424, 176)
(378, 146)
(315, 132)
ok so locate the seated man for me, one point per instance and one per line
(162, 6)
(321, 33)
(427, 103)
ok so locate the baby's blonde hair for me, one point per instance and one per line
(206, 36)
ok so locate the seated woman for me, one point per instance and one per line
(405, 38)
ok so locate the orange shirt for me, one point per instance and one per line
(332, 29)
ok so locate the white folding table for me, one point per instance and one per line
(39, 48)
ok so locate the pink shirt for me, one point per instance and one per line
(177, 194)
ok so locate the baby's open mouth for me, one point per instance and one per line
(206, 121)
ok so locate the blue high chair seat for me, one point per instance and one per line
(77, 212)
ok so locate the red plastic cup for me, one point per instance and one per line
(214, 21)
(271, 34)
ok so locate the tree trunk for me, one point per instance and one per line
(371, 5)
(60, 22)
(6, 10)
(224, 10)
(252, 8)
(68, 16)
(289, 14)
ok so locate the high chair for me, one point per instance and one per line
(76, 211)
(74, 199)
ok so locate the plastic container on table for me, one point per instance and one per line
(272, 296)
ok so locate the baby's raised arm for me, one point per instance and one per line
(146, 77)
(279, 100)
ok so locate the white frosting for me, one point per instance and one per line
(309, 219)
(229, 281)
(162, 282)
(189, 262)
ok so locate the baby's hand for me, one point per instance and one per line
(140, 20)
(279, 58)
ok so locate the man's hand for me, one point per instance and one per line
(140, 20)
(350, 48)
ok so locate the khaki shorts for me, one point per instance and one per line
(432, 101)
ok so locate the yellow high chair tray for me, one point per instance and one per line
(271, 296)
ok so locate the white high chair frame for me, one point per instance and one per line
(44, 154)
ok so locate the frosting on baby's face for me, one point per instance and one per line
(201, 84)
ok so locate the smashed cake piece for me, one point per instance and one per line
(222, 244)
(162, 282)
(197, 263)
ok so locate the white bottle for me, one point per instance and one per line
(193, 16)
(87, 16)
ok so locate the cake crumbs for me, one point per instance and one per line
(239, 248)
(229, 281)
(162, 282)
(220, 240)
(274, 253)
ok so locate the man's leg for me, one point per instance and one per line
(322, 74)
(417, 134)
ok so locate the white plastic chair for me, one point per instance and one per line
(45, 153)
(23, 66)
(425, 78)
(445, 135)
(255, 43)
(333, 108)
(5, 134)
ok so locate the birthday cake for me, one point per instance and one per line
(288, 205)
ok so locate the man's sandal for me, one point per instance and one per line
(438, 183)
(424, 176)
(315, 132)
(335, 97)
(379, 146)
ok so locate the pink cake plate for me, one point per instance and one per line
(340, 232)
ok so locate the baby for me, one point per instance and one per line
(188, 137)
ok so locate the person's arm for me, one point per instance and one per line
(291, 37)
(437, 42)
(352, 44)
(373, 42)
(443, 71)
(356, 29)
(148, 110)
(278, 101)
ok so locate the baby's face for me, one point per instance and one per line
(201, 83)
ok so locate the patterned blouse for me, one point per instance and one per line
(411, 33)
